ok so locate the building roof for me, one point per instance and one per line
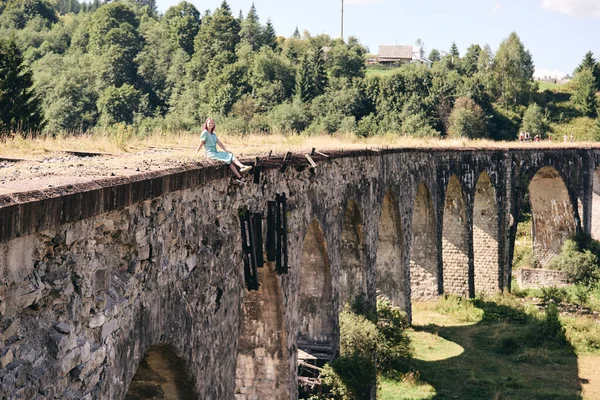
(395, 52)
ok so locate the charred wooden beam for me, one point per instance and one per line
(256, 171)
(281, 256)
(250, 274)
(271, 230)
(257, 250)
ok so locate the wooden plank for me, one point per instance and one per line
(310, 160)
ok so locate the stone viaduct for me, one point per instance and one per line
(92, 276)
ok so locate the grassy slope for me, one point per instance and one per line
(461, 354)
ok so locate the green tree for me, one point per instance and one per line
(534, 121)
(119, 104)
(347, 60)
(470, 60)
(18, 13)
(183, 24)
(219, 34)
(20, 106)
(296, 34)
(268, 36)
(589, 62)
(513, 70)
(467, 120)
(66, 86)
(114, 40)
(312, 77)
(434, 55)
(584, 95)
(250, 29)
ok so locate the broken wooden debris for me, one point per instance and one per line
(310, 160)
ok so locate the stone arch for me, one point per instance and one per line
(485, 236)
(455, 243)
(391, 277)
(262, 369)
(423, 253)
(315, 305)
(353, 280)
(552, 212)
(161, 375)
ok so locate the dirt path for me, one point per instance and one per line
(589, 373)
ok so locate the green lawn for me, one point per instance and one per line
(488, 350)
(548, 85)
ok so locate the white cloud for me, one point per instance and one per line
(497, 8)
(361, 2)
(577, 8)
(544, 72)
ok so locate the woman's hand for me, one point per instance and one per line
(199, 147)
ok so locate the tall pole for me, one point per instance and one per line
(342, 34)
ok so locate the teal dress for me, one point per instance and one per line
(210, 144)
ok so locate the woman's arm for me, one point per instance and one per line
(221, 144)
(200, 146)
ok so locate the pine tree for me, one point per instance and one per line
(304, 82)
(250, 31)
(585, 93)
(296, 34)
(21, 108)
(319, 72)
(589, 63)
(268, 37)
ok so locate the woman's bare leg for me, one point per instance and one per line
(237, 162)
(235, 171)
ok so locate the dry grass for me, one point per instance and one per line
(246, 145)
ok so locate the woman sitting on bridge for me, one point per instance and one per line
(209, 139)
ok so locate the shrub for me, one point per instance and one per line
(353, 375)
(289, 117)
(350, 378)
(578, 262)
(394, 347)
(553, 295)
(467, 120)
(534, 121)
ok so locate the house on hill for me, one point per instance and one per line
(397, 55)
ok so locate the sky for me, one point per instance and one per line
(557, 32)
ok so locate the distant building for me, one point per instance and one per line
(397, 55)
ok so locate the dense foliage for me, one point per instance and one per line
(579, 259)
(100, 63)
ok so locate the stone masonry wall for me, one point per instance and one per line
(537, 278)
(93, 275)
(485, 236)
(423, 263)
(455, 243)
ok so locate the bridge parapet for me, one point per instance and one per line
(93, 275)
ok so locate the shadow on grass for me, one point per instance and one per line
(509, 354)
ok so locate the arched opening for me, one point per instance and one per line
(353, 280)
(455, 248)
(161, 375)
(485, 236)
(391, 277)
(552, 211)
(423, 253)
(315, 307)
(262, 369)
